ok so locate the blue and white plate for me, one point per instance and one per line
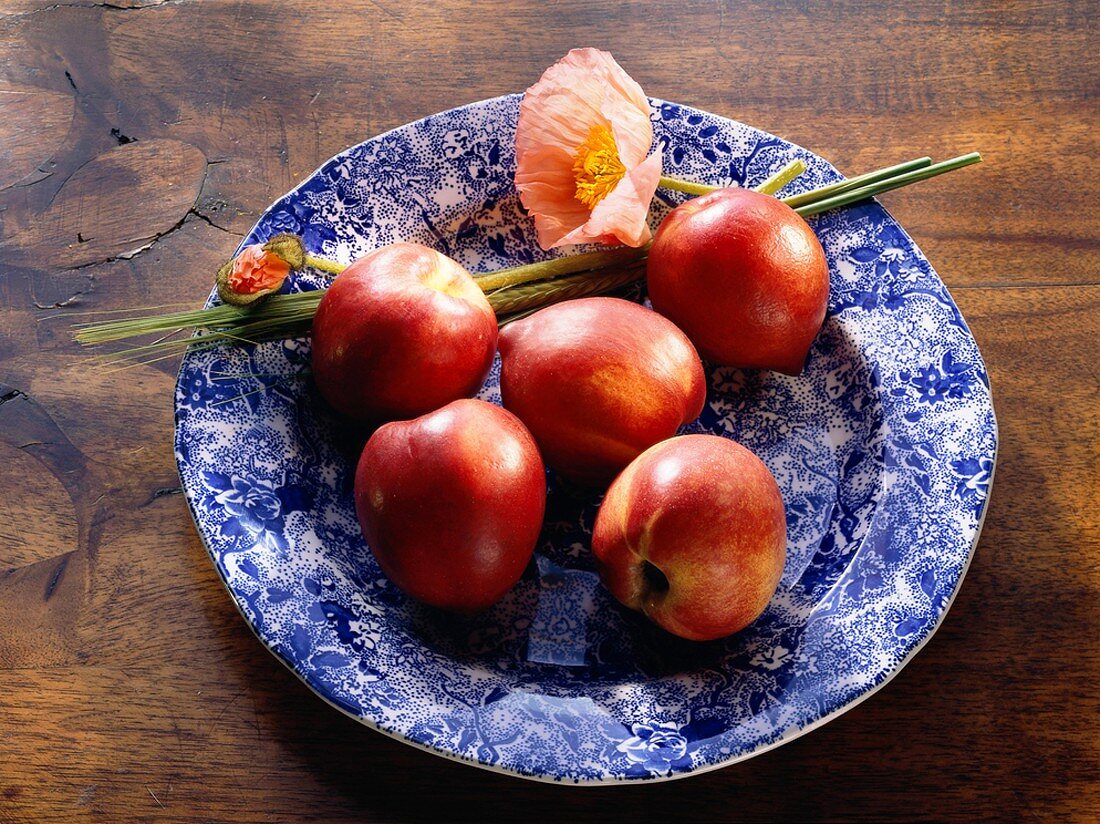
(884, 449)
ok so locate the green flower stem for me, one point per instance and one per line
(556, 267)
(516, 275)
(275, 309)
(283, 316)
(896, 182)
(856, 182)
(534, 296)
(325, 265)
(781, 178)
(769, 187)
(686, 186)
(277, 312)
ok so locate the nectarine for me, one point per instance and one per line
(597, 381)
(400, 332)
(693, 534)
(744, 276)
(451, 503)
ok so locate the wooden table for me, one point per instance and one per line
(140, 139)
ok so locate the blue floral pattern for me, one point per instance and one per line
(656, 748)
(257, 507)
(937, 382)
(884, 449)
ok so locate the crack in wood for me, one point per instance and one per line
(206, 219)
(122, 139)
(11, 395)
(162, 492)
(55, 579)
(143, 243)
(26, 185)
(71, 299)
(61, 304)
(148, 244)
(106, 6)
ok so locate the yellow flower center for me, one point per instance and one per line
(596, 166)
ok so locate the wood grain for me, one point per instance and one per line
(140, 139)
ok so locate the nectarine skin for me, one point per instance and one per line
(451, 503)
(400, 332)
(693, 534)
(744, 276)
(597, 381)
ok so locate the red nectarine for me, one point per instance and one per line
(597, 381)
(744, 276)
(451, 503)
(400, 332)
(693, 534)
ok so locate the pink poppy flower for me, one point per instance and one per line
(581, 146)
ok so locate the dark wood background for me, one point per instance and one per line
(140, 140)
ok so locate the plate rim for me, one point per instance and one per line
(606, 779)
